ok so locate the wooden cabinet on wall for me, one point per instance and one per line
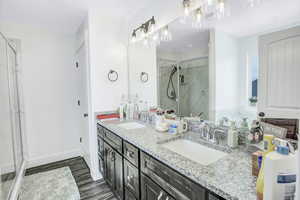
(279, 75)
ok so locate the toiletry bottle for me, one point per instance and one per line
(136, 110)
(131, 110)
(232, 139)
(298, 167)
(122, 108)
(280, 174)
(268, 147)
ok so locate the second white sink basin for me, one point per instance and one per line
(131, 125)
(194, 151)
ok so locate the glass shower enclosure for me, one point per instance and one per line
(11, 142)
(184, 86)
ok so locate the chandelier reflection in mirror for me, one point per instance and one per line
(147, 33)
(199, 10)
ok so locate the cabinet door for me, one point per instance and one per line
(129, 195)
(118, 174)
(152, 191)
(131, 178)
(279, 74)
(109, 165)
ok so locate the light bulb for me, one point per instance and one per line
(146, 41)
(221, 8)
(166, 35)
(152, 25)
(133, 37)
(186, 7)
(155, 37)
(199, 15)
(186, 11)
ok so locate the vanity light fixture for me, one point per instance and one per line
(145, 29)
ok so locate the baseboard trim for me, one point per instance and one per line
(42, 160)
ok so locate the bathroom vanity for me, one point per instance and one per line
(137, 164)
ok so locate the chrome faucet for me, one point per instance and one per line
(217, 135)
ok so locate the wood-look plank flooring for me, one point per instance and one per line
(88, 189)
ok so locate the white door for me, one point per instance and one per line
(81, 66)
(279, 76)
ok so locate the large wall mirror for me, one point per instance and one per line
(210, 70)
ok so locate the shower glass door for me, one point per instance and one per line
(11, 147)
(193, 80)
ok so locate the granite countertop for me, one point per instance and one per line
(230, 177)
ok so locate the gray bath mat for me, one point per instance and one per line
(57, 184)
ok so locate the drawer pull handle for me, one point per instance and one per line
(160, 195)
(113, 157)
(130, 153)
(129, 178)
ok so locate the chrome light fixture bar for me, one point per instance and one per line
(145, 29)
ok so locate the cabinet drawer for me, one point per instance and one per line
(131, 153)
(131, 178)
(113, 140)
(129, 195)
(152, 191)
(100, 131)
(174, 183)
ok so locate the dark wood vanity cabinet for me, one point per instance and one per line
(135, 175)
(111, 165)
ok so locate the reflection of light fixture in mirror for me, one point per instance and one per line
(198, 18)
(253, 3)
(209, 2)
(186, 7)
(133, 37)
(165, 34)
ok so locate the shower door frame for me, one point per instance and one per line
(20, 170)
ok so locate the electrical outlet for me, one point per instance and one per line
(80, 139)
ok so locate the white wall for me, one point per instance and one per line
(107, 50)
(49, 94)
(143, 59)
(226, 74)
(248, 55)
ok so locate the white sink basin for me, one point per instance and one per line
(131, 125)
(194, 151)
